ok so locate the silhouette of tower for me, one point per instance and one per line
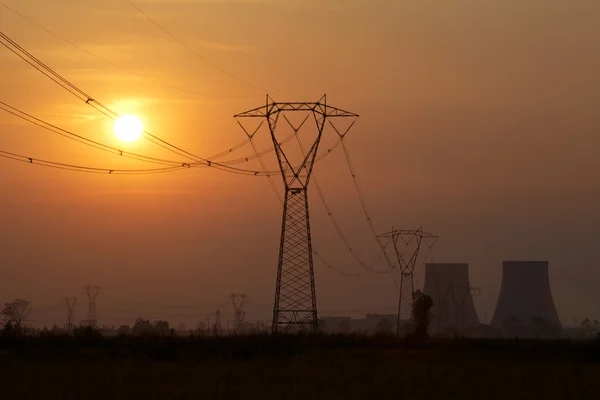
(525, 296)
(92, 292)
(70, 302)
(239, 311)
(448, 286)
(407, 245)
(295, 306)
(217, 326)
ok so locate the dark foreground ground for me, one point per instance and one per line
(296, 368)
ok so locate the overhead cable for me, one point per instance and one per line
(194, 52)
(83, 96)
(328, 209)
(112, 64)
(81, 168)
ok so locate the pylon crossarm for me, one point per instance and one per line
(317, 107)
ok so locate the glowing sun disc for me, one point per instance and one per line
(128, 128)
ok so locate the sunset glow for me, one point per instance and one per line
(128, 128)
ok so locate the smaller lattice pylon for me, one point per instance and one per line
(238, 301)
(70, 302)
(407, 259)
(92, 293)
(217, 325)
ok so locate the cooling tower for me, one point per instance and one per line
(525, 296)
(453, 308)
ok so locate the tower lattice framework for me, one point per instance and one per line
(92, 293)
(70, 302)
(407, 257)
(238, 301)
(295, 306)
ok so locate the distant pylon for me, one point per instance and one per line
(406, 265)
(239, 311)
(295, 305)
(217, 326)
(92, 292)
(70, 303)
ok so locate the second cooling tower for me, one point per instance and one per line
(525, 295)
(453, 307)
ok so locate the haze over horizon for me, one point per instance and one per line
(478, 121)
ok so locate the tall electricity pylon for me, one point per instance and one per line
(92, 292)
(70, 302)
(406, 266)
(295, 306)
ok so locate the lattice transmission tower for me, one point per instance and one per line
(70, 302)
(239, 309)
(407, 244)
(217, 325)
(92, 292)
(295, 306)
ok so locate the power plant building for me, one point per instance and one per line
(453, 307)
(525, 298)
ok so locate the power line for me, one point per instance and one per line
(188, 48)
(112, 64)
(89, 100)
(274, 187)
(114, 150)
(81, 139)
(326, 205)
(81, 168)
(81, 95)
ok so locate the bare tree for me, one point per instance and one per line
(421, 314)
(15, 313)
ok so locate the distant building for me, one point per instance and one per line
(453, 308)
(370, 324)
(525, 305)
(124, 330)
(335, 324)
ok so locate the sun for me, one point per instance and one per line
(128, 128)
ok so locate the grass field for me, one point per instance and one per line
(325, 367)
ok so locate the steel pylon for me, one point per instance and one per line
(92, 292)
(406, 262)
(295, 305)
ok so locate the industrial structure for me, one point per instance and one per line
(453, 307)
(70, 302)
(407, 246)
(238, 301)
(295, 306)
(92, 294)
(525, 301)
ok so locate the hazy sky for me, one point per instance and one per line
(478, 120)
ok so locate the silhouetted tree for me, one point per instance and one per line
(124, 330)
(86, 332)
(15, 315)
(591, 328)
(421, 313)
(161, 327)
(142, 327)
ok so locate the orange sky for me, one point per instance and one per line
(479, 121)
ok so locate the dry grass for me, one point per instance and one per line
(289, 369)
